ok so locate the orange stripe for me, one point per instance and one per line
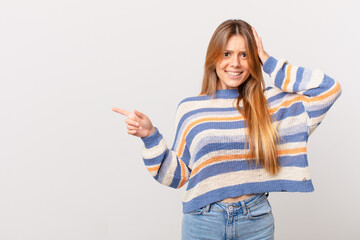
(187, 130)
(242, 156)
(332, 92)
(292, 151)
(287, 79)
(150, 169)
(183, 178)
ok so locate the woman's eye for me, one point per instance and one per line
(226, 54)
(243, 55)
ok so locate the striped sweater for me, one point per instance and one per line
(209, 151)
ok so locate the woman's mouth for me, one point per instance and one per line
(234, 74)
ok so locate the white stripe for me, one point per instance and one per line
(163, 171)
(149, 153)
(172, 166)
(186, 107)
(292, 125)
(226, 136)
(218, 135)
(317, 77)
(167, 174)
(291, 145)
(315, 120)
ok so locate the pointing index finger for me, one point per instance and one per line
(122, 111)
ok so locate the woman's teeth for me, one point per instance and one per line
(234, 73)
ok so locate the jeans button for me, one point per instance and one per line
(231, 208)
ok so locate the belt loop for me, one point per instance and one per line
(207, 208)
(243, 207)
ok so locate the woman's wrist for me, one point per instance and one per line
(152, 131)
(264, 56)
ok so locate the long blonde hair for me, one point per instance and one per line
(262, 135)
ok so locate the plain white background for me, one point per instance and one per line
(68, 168)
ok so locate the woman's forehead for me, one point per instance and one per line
(236, 43)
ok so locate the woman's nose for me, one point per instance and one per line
(235, 62)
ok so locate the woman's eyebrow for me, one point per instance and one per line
(231, 51)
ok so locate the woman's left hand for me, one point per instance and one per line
(262, 54)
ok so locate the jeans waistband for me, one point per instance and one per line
(244, 204)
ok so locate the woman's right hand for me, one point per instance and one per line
(138, 124)
(261, 52)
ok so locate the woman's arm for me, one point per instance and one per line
(317, 91)
(167, 166)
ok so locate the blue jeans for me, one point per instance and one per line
(248, 219)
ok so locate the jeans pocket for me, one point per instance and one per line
(198, 211)
(260, 210)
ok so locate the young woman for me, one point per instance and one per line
(238, 141)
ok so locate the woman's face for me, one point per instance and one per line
(233, 69)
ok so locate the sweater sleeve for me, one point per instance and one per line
(168, 166)
(316, 90)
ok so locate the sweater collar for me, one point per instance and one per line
(227, 93)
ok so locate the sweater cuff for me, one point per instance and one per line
(269, 65)
(153, 139)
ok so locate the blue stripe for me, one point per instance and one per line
(277, 96)
(219, 94)
(247, 188)
(212, 125)
(269, 65)
(152, 140)
(319, 112)
(293, 110)
(175, 182)
(155, 160)
(194, 99)
(268, 88)
(280, 76)
(294, 161)
(299, 75)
